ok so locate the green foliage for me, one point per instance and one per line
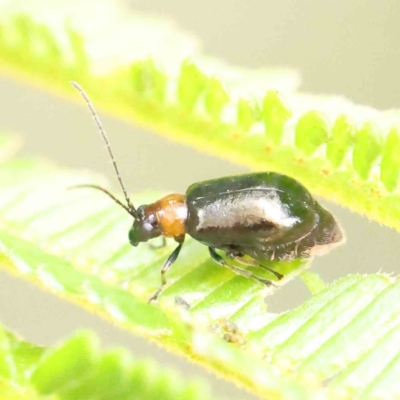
(343, 342)
(390, 160)
(79, 251)
(343, 133)
(198, 102)
(367, 148)
(275, 115)
(79, 369)
(311, 132)
(191, 84)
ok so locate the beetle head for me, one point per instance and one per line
(145, 226)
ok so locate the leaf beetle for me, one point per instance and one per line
(263, 216)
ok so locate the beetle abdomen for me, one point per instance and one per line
(264, 215)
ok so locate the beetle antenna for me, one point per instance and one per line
(130, 207)
(104, 191)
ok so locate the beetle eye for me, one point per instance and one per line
(147, 226)
(151, 219)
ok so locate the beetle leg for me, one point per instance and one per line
(160, 246)
(277, 274)
(239, 271)
(244, 261)
(170, 260)
(255, 263)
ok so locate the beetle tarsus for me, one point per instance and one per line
(277, 274)
(239, 271)
(266, 282)
(170, 260)
(254, 263)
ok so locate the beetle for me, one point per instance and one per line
(253, 218)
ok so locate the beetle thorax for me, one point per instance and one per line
(171, 213)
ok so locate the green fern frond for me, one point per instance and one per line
(344, 152)
(343, 342)
(78, 250)
(78, 369)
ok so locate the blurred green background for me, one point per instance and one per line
(346, 47)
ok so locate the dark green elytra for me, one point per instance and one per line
(263, 215)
